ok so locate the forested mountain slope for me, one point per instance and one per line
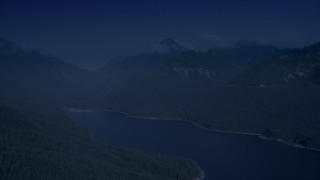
(278, 97)
(184, 78)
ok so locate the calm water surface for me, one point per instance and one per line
(221, 156)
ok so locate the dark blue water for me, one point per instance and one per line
(221, 156)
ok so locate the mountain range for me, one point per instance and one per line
(117, 72)
(29, 74)
(247, 88)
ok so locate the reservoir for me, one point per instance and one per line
(220, 155)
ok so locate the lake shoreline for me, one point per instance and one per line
(202, 174)
(261, 136)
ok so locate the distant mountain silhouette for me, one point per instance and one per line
(184, 78)
(34, 75)
(120, 70)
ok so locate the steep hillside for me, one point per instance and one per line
(289, 67)
(278, 98)
(46, 145)
(221, 63)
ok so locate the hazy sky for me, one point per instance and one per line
(89, 32)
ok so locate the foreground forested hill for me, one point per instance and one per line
(46, 145)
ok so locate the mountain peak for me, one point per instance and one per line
(168, 41)
(244, 43)
(172, 44)
(166, 46)
(313, 47)
(8, 46)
